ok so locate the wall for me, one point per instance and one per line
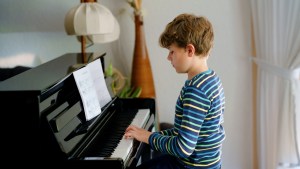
(35, 29)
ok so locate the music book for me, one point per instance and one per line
(92, 88)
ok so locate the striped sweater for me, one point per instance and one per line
(197, 136)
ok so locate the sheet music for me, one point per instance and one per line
(92, 88)
(96, 70)
(87, 92)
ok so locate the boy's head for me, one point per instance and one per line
(189, 29)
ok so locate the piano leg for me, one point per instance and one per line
(143, 150)
(147, 153)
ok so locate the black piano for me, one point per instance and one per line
(43, 122)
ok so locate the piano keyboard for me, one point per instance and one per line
(112, 143)
(125, 145)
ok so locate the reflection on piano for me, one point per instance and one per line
(44, 122)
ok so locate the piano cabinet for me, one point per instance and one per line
(43, 122)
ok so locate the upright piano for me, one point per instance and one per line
(43, 124)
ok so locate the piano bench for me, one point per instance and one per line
(164, 126)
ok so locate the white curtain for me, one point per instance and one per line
(276, 26)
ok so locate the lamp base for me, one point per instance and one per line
(76, 67)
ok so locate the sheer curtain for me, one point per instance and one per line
(276, 26)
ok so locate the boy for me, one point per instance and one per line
(196, 139)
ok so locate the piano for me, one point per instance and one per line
(43, 122)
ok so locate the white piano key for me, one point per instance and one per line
(141, 117)
(125, 145)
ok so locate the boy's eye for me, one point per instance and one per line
(171, 52)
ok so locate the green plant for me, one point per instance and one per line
(120, 84)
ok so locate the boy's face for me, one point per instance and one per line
(179, 58)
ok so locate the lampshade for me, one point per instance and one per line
(89, 19)
(105, 38)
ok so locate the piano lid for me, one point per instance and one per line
(34, 79)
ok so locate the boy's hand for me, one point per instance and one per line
(139, 134)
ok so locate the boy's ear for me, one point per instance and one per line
(190, 49)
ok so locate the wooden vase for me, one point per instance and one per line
(141, 75)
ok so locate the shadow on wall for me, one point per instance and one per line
(23, 59)
(13, 65)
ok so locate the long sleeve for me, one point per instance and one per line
(168, 132)
(195, 107)
(197, 136)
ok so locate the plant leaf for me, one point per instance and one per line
(109, 71)
(137, 92)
